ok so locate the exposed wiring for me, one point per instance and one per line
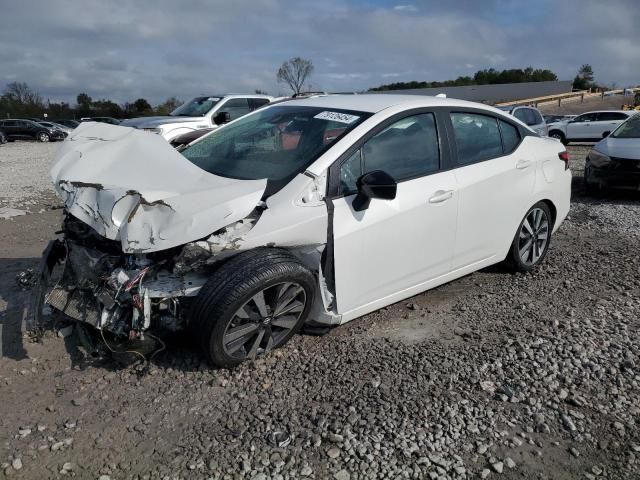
(162, 348)
(144, 359)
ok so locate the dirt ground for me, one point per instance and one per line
(492, 376)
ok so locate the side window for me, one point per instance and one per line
(406, 149)
(510, 137)
(521, 114)
(236, 107)
(611, 116)
(537, 117)
(587, 117)
(256, 103)
(477, 137)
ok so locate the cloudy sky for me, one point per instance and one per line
(154, 49)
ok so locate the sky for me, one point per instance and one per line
(155, 49)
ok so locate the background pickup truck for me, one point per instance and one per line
(198, 113)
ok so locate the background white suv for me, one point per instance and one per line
(198, 113)
(588, 127)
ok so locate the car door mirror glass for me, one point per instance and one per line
(222, 118)
(375, 184)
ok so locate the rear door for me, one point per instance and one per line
(393, 245)
(607, 122)
(495, 183)
(11, 129)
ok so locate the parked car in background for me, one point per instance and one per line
(110, 120)
(67, 123)
(557, 118)
(615, 160)
(57, 126)
(530, 116)
(186, 138)
(244, 236)
(200, 112)
(588, 127)
(17, 129)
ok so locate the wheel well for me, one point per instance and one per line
(552, 209)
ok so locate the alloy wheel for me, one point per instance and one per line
(44, 137)
(534, 236)
(264, 321)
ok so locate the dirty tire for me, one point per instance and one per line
(3, 139)
(229, 290)
(43, 137)
(514, 259)
(590, 188)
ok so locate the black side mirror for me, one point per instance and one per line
(221, 118)
(376, 184)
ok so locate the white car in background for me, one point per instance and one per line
(315, 211)
(200, 113)
(588, 127)
(530, 116)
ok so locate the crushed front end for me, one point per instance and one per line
(123, 294)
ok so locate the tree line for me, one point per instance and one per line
(481, 77)
(19, 100)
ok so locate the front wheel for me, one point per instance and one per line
(558, 136)
(43, 137)
(252, 304)
(531, 241)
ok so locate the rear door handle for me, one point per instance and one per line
(522, 164)
(441, 196)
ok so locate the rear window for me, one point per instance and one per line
(477, 137)
(510, 137)
(611, 116)
(629, 129)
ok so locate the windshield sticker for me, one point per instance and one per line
(337, 117)
(213, 99)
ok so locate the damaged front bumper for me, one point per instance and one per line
(123, 294)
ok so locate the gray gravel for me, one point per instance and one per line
(493, 376)
(24, 173)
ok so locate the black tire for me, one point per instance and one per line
(558, 135)
(44, 137)
(514, 259)
(231, 288)
(3, 138)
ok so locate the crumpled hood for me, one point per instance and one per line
(153, 122)
(619, 147)
(134, 187)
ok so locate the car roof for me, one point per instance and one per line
(374, 103)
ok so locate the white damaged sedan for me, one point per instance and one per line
(313, 211)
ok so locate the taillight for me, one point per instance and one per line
(564, 156)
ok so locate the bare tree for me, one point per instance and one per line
(20, 93)
(294, 73)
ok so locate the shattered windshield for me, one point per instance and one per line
(196, 107)
(275, 143)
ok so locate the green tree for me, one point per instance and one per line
(584, 78)
(168, 106)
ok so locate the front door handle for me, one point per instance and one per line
(441, 196)
(522, 164)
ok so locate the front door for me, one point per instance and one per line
(581, 128)
(397, 244)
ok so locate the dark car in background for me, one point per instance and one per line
(18, 129)
(614, 162)
(67, 123)
(111, 120)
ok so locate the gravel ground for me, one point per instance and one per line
(492, 376)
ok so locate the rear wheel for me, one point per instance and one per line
(251, 305)
(558, 135)
(531, 241)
